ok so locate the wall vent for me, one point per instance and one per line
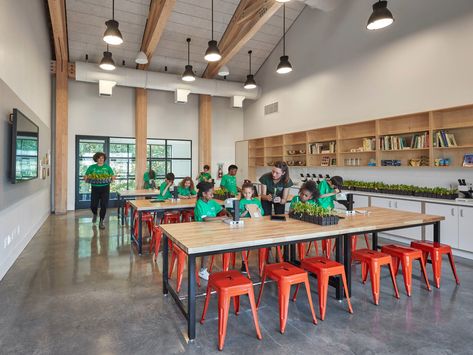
(271, 108)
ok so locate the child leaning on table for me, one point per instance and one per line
(206, 210)
(308, 193)
(247, 191)
(165, 187)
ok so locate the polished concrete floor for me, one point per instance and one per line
(78, 290)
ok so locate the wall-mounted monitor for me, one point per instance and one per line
(24, 148)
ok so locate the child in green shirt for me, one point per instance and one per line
(206, 210)
(248, 199)
(205, 175)
(165, 188)
(308, 193)
(186, 188)
(328, 190)
(148, 179)
(229, 180)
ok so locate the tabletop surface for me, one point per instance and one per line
(201, 237)
(137, 193)
(149, 205)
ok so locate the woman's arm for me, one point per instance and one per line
(183, 196)
(265, 197)
(213, 219)
(285, 192)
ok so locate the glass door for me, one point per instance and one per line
(86, 147)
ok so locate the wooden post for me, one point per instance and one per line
(205, 130)
(141, 130)
(60, 152)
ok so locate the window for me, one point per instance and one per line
(122, 161)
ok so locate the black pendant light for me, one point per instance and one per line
(284, 66)
(250, 82)
(188, 74)
(212, 54)
(381, 16)
(112, 34)
(107, 62)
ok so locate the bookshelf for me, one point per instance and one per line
(409, 140)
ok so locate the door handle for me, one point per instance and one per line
(453, 212)
(461, 212)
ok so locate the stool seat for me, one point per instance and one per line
(372, 260)
(324, 268)
(436, 250)
(406, 256)
(230, 281)
(284, 271)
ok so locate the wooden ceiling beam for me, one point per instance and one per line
(57, 14)
(248, 19)
(159, 13)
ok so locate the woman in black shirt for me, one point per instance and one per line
(275, 188)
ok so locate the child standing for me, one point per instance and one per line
(328, 189)
(206, 210)
(247, 191)
(205, 175)
(165, 187)
(186, 188)
(229, 180)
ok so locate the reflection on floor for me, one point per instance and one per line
(78, 290)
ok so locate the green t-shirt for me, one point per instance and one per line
(253, 201)
(229, 183)
(185, 191)
(168, 193)
(146, 179)
(99, 175)
(296, 199)
(326, 202)
(275, 189)
(205, 177)
(206, 209)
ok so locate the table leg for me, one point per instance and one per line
(293, 253)
(123, 210)
(118, 208)
(191, 300)
(132, 226)
(437, 232)
(374, 240)
(140, 233)
(347, 260)
(165, 264)
(338, 258)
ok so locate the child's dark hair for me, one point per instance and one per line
(285, 169)
(311, 186)
(98, 155)
(206, 167)
(170, 176)
(337, 181)
(231, 167)
(151, 174)
(247, 185)
(203, 186)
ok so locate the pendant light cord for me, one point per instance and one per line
(113, 9)
(249, 52)
(188, 50)
(284, 29)
(212, 6)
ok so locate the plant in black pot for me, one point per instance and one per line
(313, 214)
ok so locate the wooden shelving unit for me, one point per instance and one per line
(352, 148)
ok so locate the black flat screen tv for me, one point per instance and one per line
(24, 148)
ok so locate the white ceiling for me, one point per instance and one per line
(190, 18)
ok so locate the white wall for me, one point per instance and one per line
(25, 83)
(90, 114)
(344, 73)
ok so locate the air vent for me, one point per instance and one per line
(271, 108)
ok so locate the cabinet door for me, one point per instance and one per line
(360, 201)
(465, 228)
(448, 227)
(382, 202)
(408, 206)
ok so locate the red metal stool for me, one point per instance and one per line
(127, 208)
(179, 255)
(231, 257)
(324, 268)
(171, 217)
(229, 284)
(354, 242)
(263, 255)
(406, 256)
(187, 215)
(286, 275)
(326, 247)
(372, 260)
(145, 217)
(316, 246)
(436, 250)
(155, 243)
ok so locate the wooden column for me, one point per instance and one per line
(141, 130)
(60, 151)
(205, 130)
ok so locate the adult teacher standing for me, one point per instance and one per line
(275, 188)
(99, 175)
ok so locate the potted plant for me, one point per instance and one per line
(313, 214)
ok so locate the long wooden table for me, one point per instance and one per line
(198, 239)
(124, 195)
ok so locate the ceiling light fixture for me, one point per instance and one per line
(381, 16)
(112, 34)
(224, 71)
(283, 1)
(141, 58)
(188, 74)
(284, 66)
(250, 82)
(107, 62)
(212, 54)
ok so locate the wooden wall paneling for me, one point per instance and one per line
(141, 129)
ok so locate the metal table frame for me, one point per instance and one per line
(122, 200)
(190, 312)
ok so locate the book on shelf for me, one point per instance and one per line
(323, 148)
(418, 141)
(369, 144)
(468, 161)
(445, 140)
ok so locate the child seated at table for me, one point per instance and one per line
(247, 192)
(165, 187)
(186, 188)
(308, 193)
(207, 210)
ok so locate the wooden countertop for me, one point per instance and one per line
(201, 237)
